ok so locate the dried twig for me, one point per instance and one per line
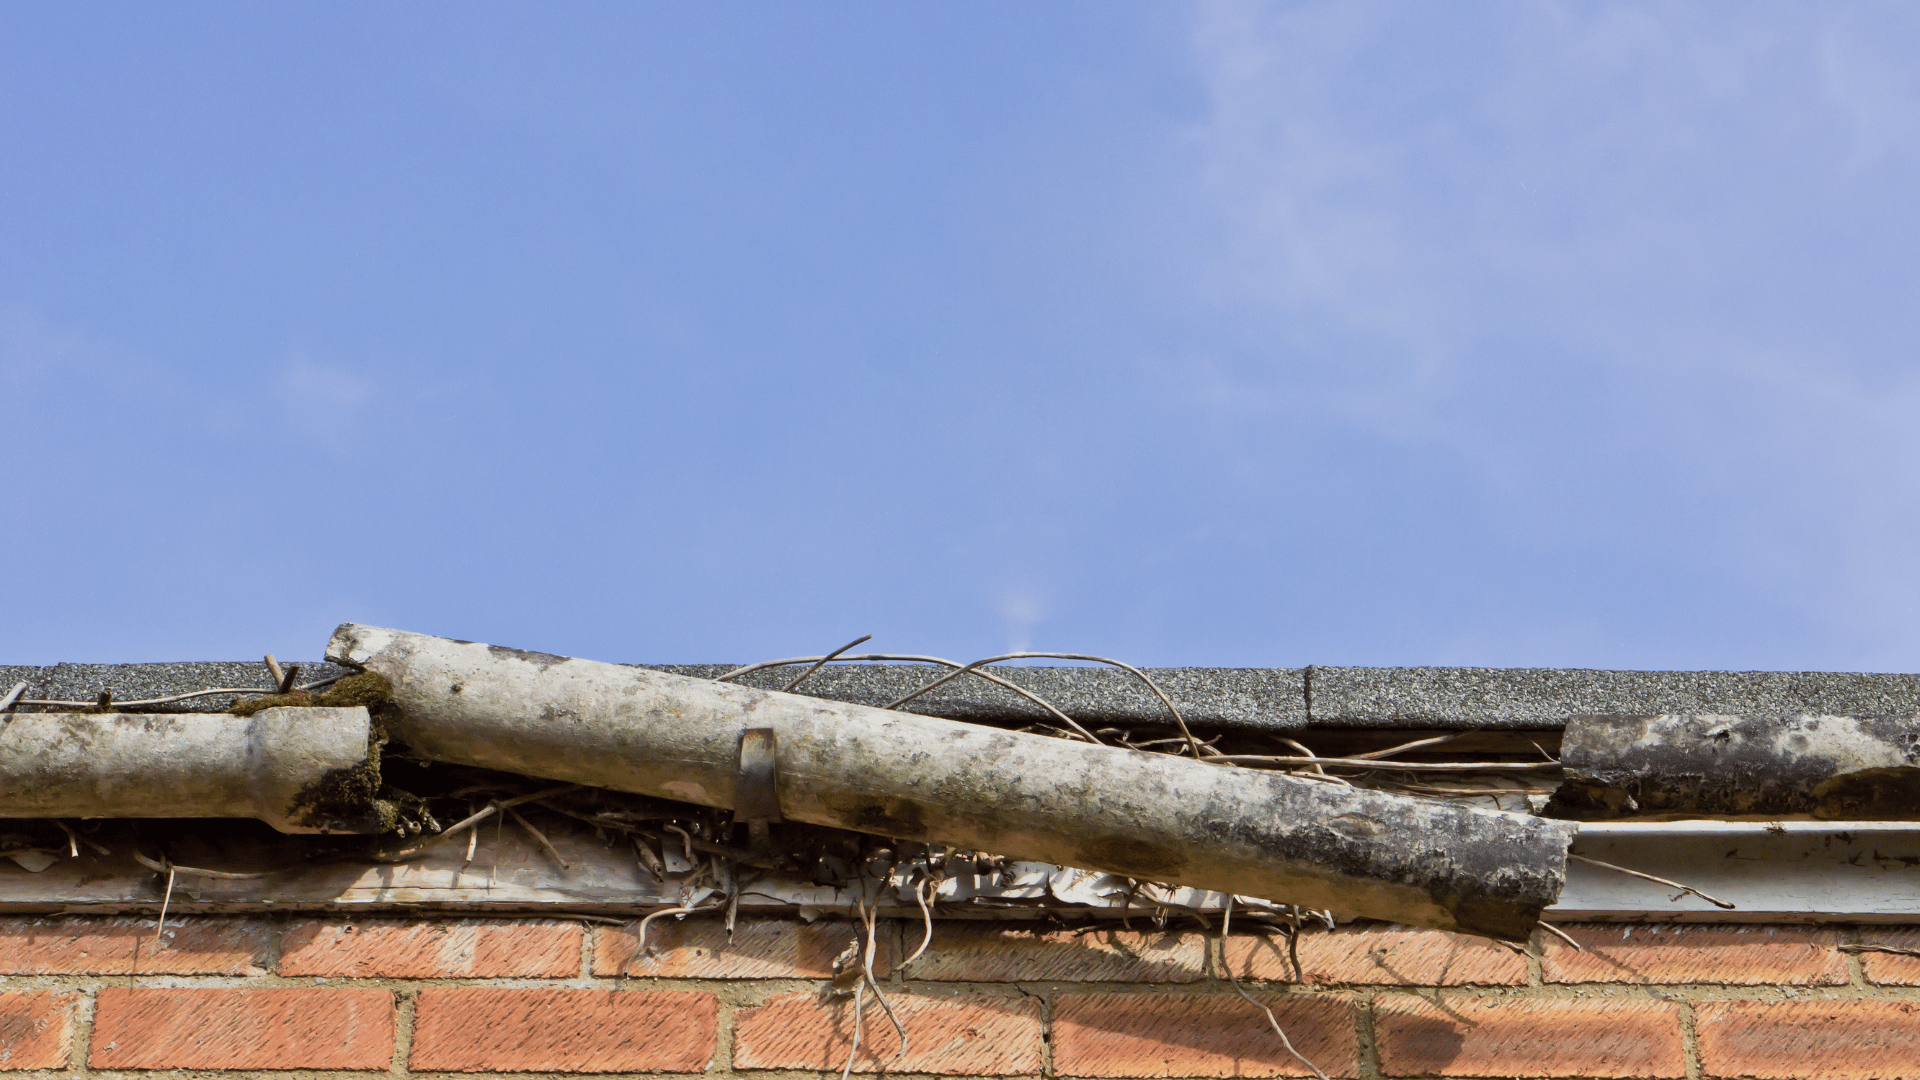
(640, 934)
(1650, 877)
(1295, 744)
(853, 1051)
(1316, 770)
(539, 837)
(7, 703)
(921, 890)
(648, 860)
(1226, 918)
(1178, 720)
(493, 864)
(1395, 766)
(1404, 747)
(868, 916)
(1562, 935)
(1895, 950)
(823, 661)
(1293, 941)
(685, 837)
(1451, 792)
(733, 903)
(987, 675)
(96, 845)
(167, 866)
(160, 924)
(468, 822)
(237, 691)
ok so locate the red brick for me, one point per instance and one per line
(697, 948)
(1010, 952)
(1201, 1035)
(1809, 1040)
(450, 949)
(107, 946)
(242, 1029)
(1890, 969)
(1465, 1036)
(975, 1036)
(36, 1030)
(486, 1030)
(1735, 955)
(1381, 955)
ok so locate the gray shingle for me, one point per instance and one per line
(1544, 697)
(1261, 699)
(1264, 699)
(133, 682)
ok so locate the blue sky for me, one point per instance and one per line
(1240, 334)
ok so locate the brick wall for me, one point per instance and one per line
(82, 995)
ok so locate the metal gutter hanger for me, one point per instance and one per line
(756, 786)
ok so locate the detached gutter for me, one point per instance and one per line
(1148, 816)
(284, 766)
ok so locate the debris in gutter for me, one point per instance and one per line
(1705, 765)
(364, 689)
(1151, 817)
(681, 853)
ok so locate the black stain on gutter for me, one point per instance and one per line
(1827, 767)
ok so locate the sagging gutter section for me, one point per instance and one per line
(1149, 816)
(280, 765)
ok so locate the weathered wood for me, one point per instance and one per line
(1148, 816)
(1833, 767)
(273, 765)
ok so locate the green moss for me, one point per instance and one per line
(348, 799)
(369, 689)
(352, 799)
(249, 706)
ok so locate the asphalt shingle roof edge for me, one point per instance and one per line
(1261, 699)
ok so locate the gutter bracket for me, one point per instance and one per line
(756, 793)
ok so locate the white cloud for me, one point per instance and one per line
(42, 358)
(1020, 605)
(1640, 267)
(327, 403)
(313, 386)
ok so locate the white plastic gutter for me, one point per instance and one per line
(1771, 871)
